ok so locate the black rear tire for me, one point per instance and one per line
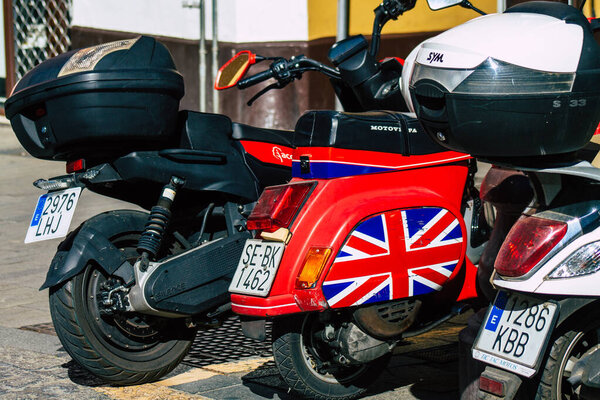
(297, 358)
(125, 350)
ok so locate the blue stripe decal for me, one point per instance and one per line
(327, 170)
(497, 311)
(37, 214)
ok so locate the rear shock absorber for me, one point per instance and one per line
(151, 239)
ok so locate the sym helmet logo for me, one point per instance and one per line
(435, 57)
(280, 155)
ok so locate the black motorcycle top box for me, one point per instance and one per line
(524, 84)
(101, 100)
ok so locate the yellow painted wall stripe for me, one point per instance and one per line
(322, 17)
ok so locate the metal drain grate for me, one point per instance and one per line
(225, 344)
(440, 354)
(212, 346)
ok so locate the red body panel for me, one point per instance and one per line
(269, 152)
(335, 208)
(469, 287)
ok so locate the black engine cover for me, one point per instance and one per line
(197, 280)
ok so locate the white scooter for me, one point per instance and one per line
(544, 325)
(522, 89)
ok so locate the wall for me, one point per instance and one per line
(322, 17)
(238, 20)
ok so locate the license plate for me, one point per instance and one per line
(257, 267)
(52, 215)
(515, 332)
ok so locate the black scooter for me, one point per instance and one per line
(111, 113)
(128, 289)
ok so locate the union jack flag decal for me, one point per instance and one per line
(369, 239)
(360, 290)
(429, 227)
(404, 252)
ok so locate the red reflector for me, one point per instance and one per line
(491, 386)
(277, 206)
(75, 166)
(40, 112)
(529, 240)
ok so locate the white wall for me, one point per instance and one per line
(238, 20)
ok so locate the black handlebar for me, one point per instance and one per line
(254, 79)
(285, 71)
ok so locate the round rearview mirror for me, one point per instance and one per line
(439, 4)
(230, 73)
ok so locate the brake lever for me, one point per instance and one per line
(276, 85)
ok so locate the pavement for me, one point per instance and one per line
(222, 364)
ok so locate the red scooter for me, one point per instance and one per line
(375, 238)
(364, 247)
(368, 244)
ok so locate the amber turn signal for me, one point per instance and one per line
(314, 262)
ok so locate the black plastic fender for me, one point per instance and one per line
(91, 242)
(570, 306)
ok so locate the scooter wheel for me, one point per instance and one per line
(305, 363)
(575, 339)
(128, 349)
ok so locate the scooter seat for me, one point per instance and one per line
(274, 136)
(381, 131)
(204, 131)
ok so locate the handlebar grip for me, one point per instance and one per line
(253, 80)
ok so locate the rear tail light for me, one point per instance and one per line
(75, 166)
(527, 243)
(315, 260)
(492, 386)
(278, 205)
